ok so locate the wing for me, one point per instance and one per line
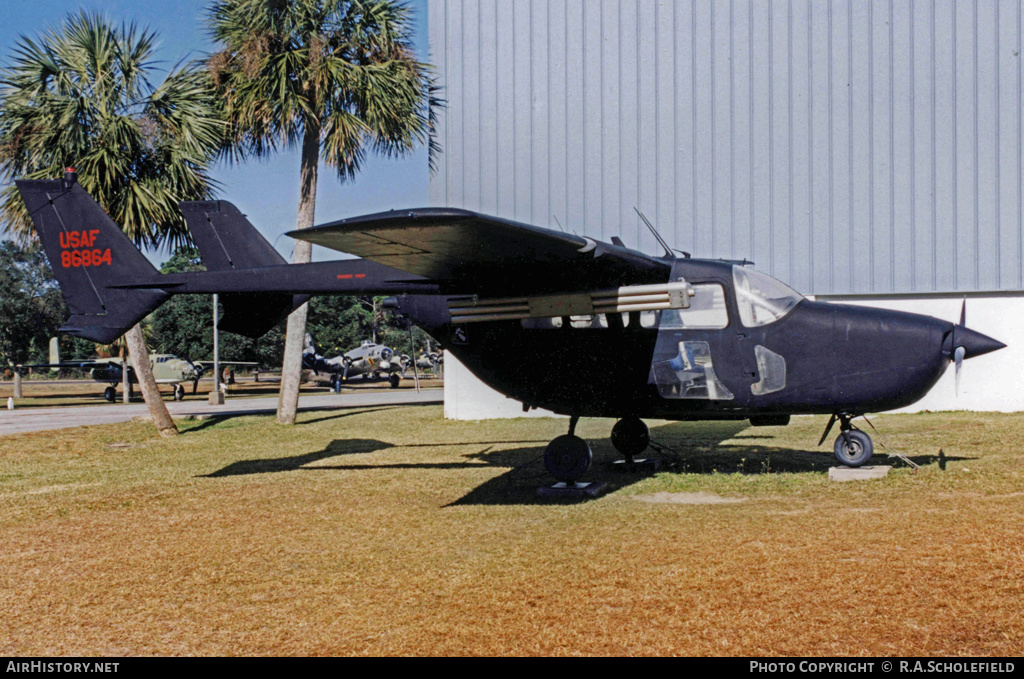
(85, 364)
(464, 251)
(209, 364)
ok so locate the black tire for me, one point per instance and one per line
(630, 436)
(568, 458)
(395, 379)
(179, 392)
(854, 448)
(110, 393)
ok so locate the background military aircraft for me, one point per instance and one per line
(431, 360)
(167, 369)
(690, 339)
(369, 360)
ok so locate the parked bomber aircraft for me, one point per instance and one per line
(167, 369)
(369, 360)
(432, 361)
(690, 339)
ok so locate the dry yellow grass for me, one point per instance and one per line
(388, 531)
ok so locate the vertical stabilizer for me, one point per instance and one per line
(89, 255)
(227, 240)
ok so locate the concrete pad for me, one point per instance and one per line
(643, 464)
(573, 490)
(858, 473)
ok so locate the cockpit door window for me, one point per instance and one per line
(762, 299)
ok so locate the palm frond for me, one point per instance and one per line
(81, 95)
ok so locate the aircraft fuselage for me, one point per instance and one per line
(817, 358)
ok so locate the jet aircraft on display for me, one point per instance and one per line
(370, 360)
(689, 339)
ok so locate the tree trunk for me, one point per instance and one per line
(126, 383)
(140, 361)
(291, 370)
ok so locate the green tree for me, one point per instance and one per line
(81, 96)
(334, 78)
(31, 306)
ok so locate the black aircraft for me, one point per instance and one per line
(689, 339)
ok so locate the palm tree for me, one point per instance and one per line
(81, 96)
(334, 78)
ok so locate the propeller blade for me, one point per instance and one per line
(958, 358)
(195, 385)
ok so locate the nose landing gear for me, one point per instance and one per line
(853, 448)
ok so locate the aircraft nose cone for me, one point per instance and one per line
(973, 342)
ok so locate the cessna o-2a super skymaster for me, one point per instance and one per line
(689, 339)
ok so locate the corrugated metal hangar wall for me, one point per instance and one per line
(847, 147)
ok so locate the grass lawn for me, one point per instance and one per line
(387, 531)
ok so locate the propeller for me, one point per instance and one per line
(966, 343)
(198, 370)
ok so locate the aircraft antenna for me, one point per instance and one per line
(555, 217)
(661, 241)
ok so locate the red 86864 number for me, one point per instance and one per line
(75, 258)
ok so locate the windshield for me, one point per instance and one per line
(762, 299)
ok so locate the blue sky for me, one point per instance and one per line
(267, 191)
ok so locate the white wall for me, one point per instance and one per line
(994, 382)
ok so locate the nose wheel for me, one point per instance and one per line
(179, 392)
(853, 448)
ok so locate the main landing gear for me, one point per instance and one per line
(853, 448)
(569, 457)
(630, 436)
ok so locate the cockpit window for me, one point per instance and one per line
(762, 299)
(706, 310)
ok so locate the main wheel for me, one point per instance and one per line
(854, 448)
(630, 436)
(179, 392)
(110, 393)
(568, 458)
(395, 379)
